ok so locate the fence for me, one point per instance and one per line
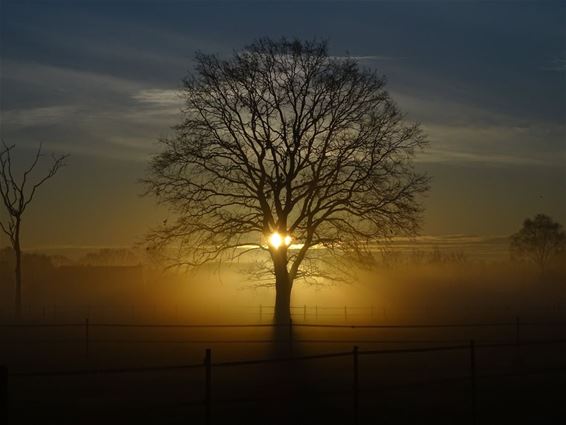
(315, 312)
(57, 311)
(208, 365)
(108, 313)
(448, 345)
(518, 325)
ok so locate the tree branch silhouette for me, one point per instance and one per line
(282, 137)
(16, 195)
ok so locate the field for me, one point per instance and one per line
(415, 361)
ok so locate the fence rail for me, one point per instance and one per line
(273, 325)
(208, 365)
(286, 359)
(347, 312)
(87, 326)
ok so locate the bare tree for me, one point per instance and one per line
(538, 240)
(284, 149)
(17, 194)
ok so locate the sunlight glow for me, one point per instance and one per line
(276, 240)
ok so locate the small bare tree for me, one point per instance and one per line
(283, 149)
(17, 194)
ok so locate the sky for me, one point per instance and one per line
(99, 80)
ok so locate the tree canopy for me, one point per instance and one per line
(283, 137)
(539, 240)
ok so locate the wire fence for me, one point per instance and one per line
(315, 312)
(87, 327)
(208, 365)
(517, 322)
(208, 401)
(175, 313)
(111, 312)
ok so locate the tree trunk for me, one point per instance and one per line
(282, 300)
(18, 273)
(283, 286)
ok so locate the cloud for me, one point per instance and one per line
(159, 97)
(368, 58)
(39, 116)
(461, 132)
(450, 240)
(65, 79)
(84, 112)
(505, 143)
(101, 114)
(438, 155)
(558, 64)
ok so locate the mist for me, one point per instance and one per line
(282, 213)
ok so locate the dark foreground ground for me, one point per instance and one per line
(523, 384)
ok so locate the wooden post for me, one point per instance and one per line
(4, 393)
(473, 382)
(518, 342)
(356, 386)
(305, 312)
(87, 337)
(290, 337)
(207, 386)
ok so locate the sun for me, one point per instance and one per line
(277, 240)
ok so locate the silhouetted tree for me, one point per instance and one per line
(284, 148)
(538, 240)
(17, 194)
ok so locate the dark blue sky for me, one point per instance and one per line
(487, 80)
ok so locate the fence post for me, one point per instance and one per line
(473, 381)
(4, 393)
(518, 342)
(356, 388)
(290, 337)
(87, 348)
(207, 386)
